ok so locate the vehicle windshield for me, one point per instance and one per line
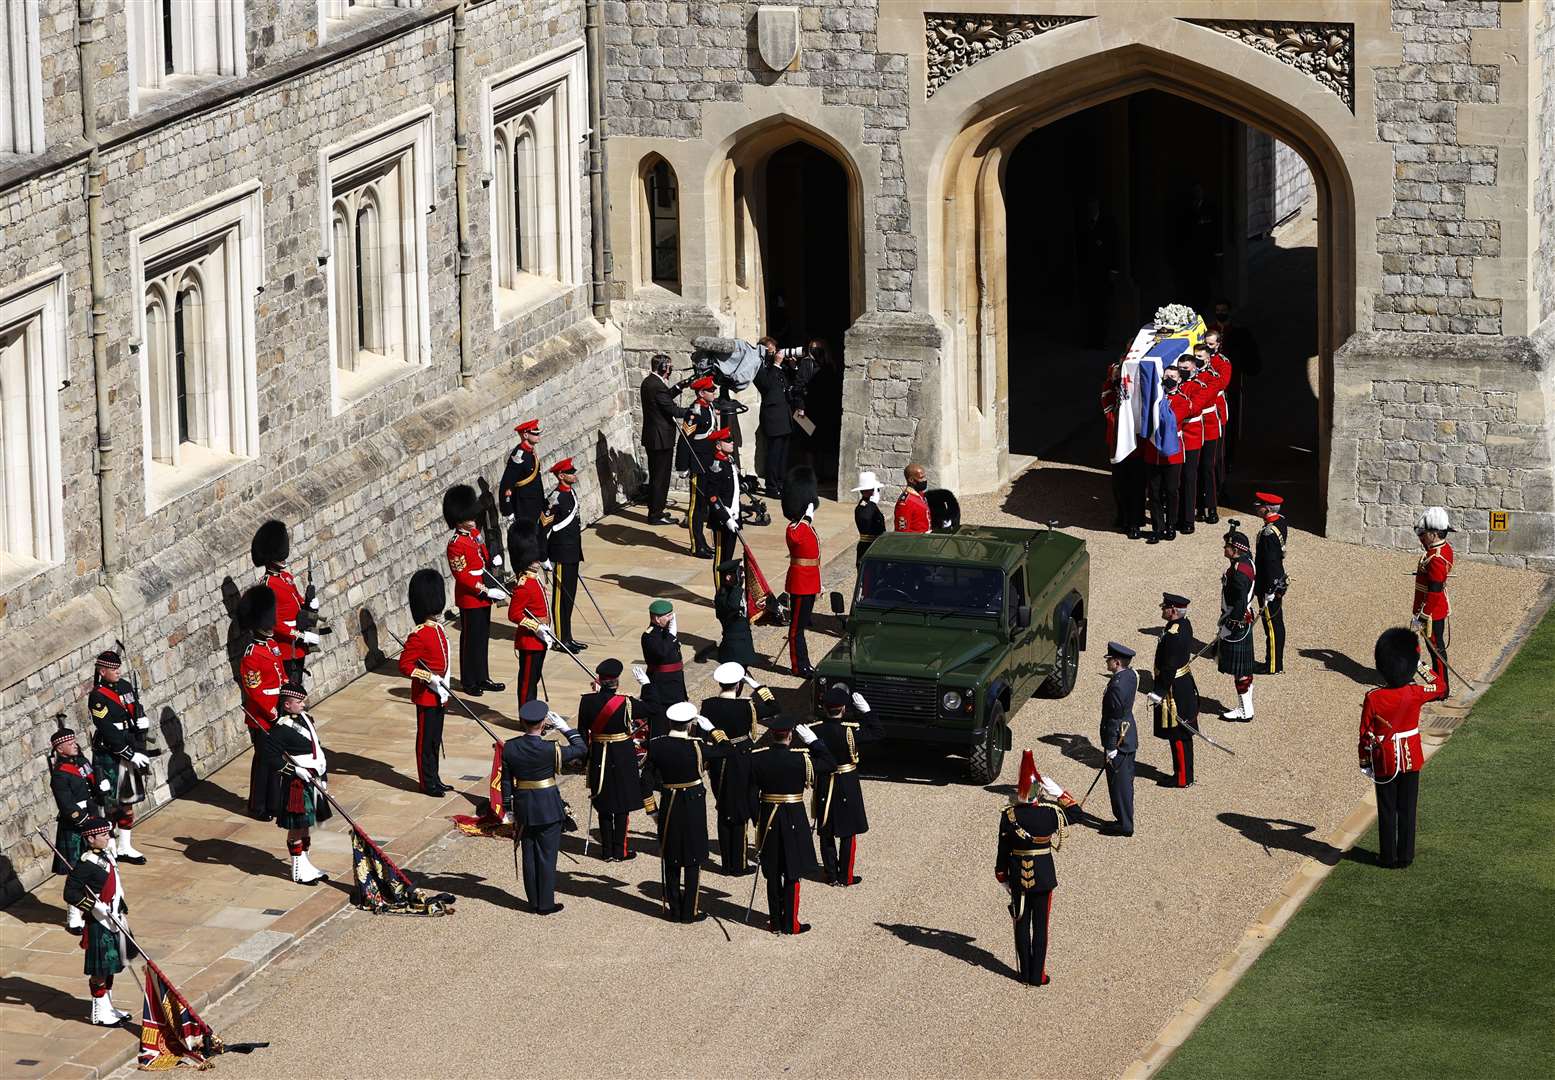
(971, 590)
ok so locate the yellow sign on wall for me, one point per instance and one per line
(1499, 520)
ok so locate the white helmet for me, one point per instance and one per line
(1435, 519)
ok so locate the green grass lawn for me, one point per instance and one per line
(1446, 969)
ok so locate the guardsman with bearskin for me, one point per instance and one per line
(732, 607)
(839, 796)
(700, 423)
(563, 538)
(866, 515)
(118, 749)
(722, 492)
(1389, 747)
(1173, 692)
(1431, 609)
(1224, 375)
(260, 678)
(520, 492)
(1030, 830)
(1234, 649)
(531, 771)
(737, 717)
(780, 774)
(1120, 736)
(76, 792)
(803, 583)
(96, 889)
(1269, 579)
(661, 653)
(674, 766)
(1207, 376)
(611, 723)
(297, 758)
(474, 588)
(426, 661)
(1191, 430)
(912, 506)
(270, 548)
(528, 611)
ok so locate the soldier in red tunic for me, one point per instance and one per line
(1192, 432)
(1209, 486)
(474, 588)
(1389, 746)
(270, 548)
(912, 509)
(261, 675)
(804, 563)
(1431, 605)
(1223, 372)
(528, 612)
(426, 660)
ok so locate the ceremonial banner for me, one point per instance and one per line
(490, 821)
(757, 593)
(170, 1033)
(382, 886)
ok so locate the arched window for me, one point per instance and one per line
(526, 199)
(188, 328)
(661, 195)
(164, 429)
(342, 248)
(369, 274)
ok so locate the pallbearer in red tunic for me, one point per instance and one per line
(528, 612)
(1431, 605)
(804, 563)
(474, 588)
(1389, 747)
(260, 678)
(426, 660)
(270, 548)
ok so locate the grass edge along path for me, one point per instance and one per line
(1442, 969)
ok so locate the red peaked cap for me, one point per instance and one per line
(721, 435)
(1268, 499)
(527, 426)
(564, 465)
(1029, 777)
(704, 383)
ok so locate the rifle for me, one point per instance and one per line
(139, 736)
(1431, 648)
(308, 618)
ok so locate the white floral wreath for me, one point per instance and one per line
(1175, 317)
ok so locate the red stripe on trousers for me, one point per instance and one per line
(793, 633)
(796, 908)
(626, 824)
(852, 855)
(1180, 763)
(1047, 919)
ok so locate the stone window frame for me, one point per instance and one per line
(210, 256)
(548, 96)
(35, 350)
(21, 89)
(202, 40)
(388, 171)
(655, 170)
(336, 17)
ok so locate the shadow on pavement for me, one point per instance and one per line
(1282, 834)
(605, 889)
(346, 763)
(473, 887)
(15, 990)
(954, 945)
(647, 586)
(627, 536)
(1338, 662)
(1075, 497)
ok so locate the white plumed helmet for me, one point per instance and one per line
(1434, 519)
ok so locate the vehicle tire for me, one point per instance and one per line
(988, 755)
(1066, 668)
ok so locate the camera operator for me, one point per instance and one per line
(775, 419)
(661, 413)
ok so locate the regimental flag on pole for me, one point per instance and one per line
(382, 887)
(489, 823)
(758, 594)
(171, 1034)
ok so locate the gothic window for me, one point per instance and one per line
(661, 216)
(173, 43)
(21, 79)
(32, 364)
(336, 16)
(741, 255)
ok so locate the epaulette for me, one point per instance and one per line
(761, 749)
(1009, 813)
(1172, 629)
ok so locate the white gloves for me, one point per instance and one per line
(1111, 754)
(640, 675)
(143, 722)
(1269, 599)
(1415, 623)
(1050, 787)
(859, 703)
(496, 560)
(313, 605)
(556, 721)
(804, 733)
(303, 772)
(733, 526)
(308, 637)
(1367, 773)
(441, 688)
(140, 761)
(507, 818)
(749, 681)
(494, 593)
(101, 913)
(704, 723)
(103, 785)
(1155, 699)
(547, 565)
(323, 783)
(674, 626)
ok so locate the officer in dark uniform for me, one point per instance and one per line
(1173, 692)
(722, 492)
(736, 717)
(1119, 736)
(531, 768)
(674, 766)
(609, 721)
(660, 414)
(839, 797)
(867, 515)
(732, 608)
(700, 423)
(96, 889)
(1234, 647)
(775, 417)
(661, 653)
(1270, 581)
(520, 492)
(1029, 832)
(118, 749)
(780, 773)
(76, 795)
(564, 551)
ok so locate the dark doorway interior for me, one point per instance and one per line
(1118, 209)
(806, 253)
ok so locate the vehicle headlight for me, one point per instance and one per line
(951, 701)
(821, 683)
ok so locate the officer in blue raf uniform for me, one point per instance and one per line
(531, 768)
(1119, 736)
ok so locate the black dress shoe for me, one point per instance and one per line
(434, 790)
(1169, 536)
(1132, 534)
(472, 691)
(575, 646)
(804, 928)
(1212, 518)
(857, 880)
(700, 916)
(805, 672)
(552, 910)
(702, 553)
(495, 687)
(1186, 528)
(662, 519)
(1155, 538)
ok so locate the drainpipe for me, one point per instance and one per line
(107, 482)
(599, 201)
(462, 192)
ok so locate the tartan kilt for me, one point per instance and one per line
(70, 843)
(1236, 657)
(116, 771)
(296, 804)
(103, 957)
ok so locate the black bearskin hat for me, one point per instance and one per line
(1397, 656)
(460, 503)
(944, 510)
(272, 543)
(256, 609)
(427, 595)
(799, 491)
(523, 545)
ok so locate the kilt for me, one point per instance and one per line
(70, 843)
(296, 804)
(1236, 657)
(845, 815)
(103, 954)
(116, 771)
(683, 826)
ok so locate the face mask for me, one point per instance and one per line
(874, 496)
(920, 485)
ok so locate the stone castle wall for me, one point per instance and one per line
(361, 489)
(1542, 156)
(1278, 182)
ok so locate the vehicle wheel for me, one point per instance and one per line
(1066, 669)
(988, 756)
